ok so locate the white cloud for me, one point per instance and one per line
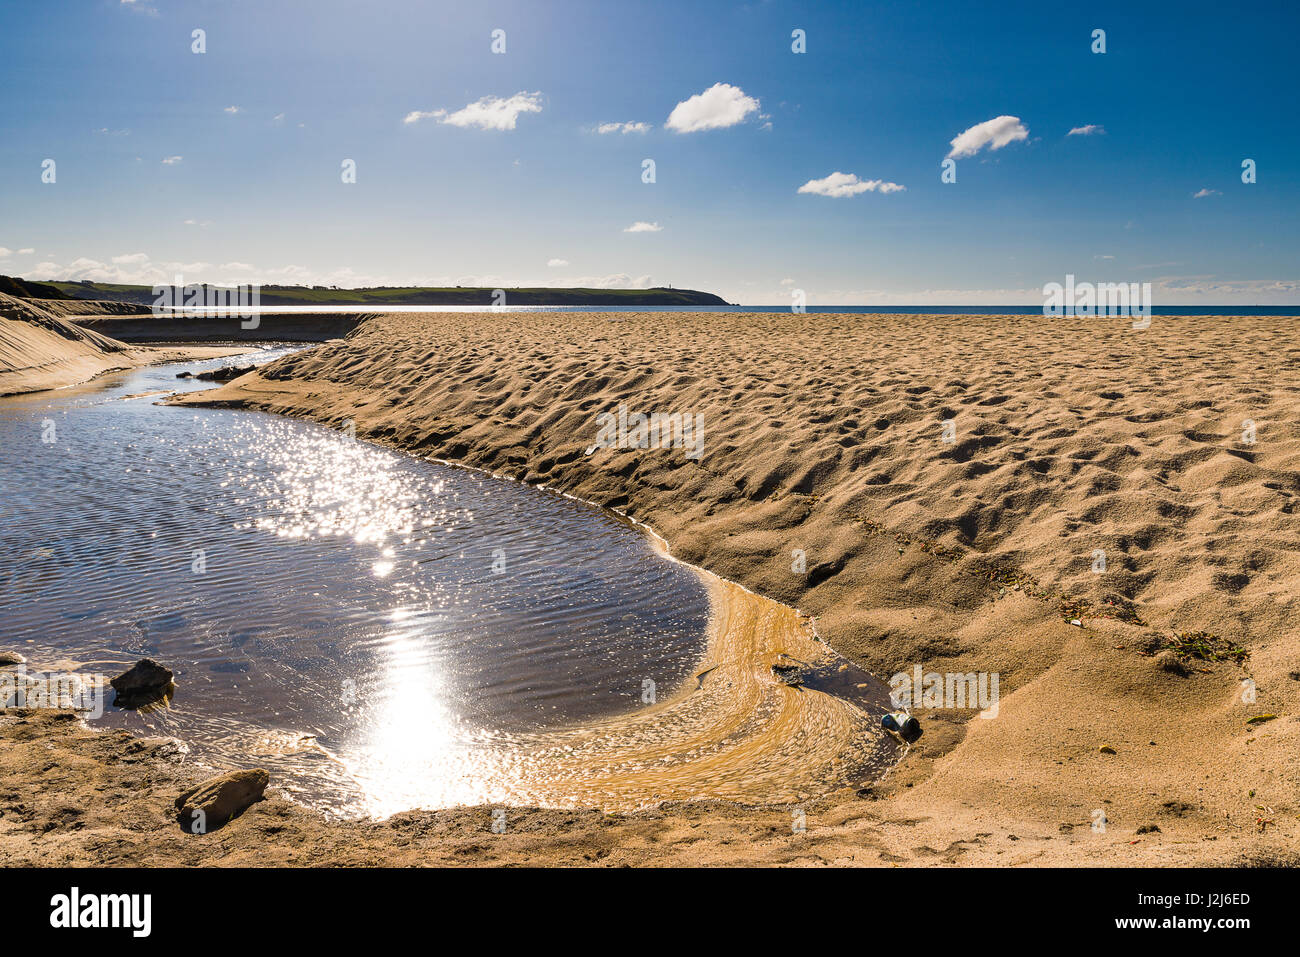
(1092, 129)
(555, 263)
(139, 269)
(494, 281)
(641, 227)
(1202, 193)
(278, 119)
(488, 113)
(847, 184)
(623, 128)
(172, 160)
(1194, 290)
(232, 109)
(5, 253)
(995, 134)
(721, 105)
(26, 251)
(619, 280)
(1169, 291)
(132, 270)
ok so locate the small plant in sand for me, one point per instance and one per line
(1204, 646)
(1072, 608)
(930, 546)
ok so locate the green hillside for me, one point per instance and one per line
(419, 295)
(26, 289)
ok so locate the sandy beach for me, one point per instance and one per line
(1128, 682)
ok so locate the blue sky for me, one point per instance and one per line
(225, 166)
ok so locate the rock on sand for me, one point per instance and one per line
(217, 800)
(144, 682)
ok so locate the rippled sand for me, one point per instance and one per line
(733, 732)
(739, 735)
(1173, 449)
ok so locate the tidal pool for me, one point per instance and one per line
(385, 632)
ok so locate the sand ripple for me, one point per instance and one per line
(736, 733)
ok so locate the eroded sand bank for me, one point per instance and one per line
(40, 350)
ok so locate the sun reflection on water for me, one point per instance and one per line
(355, 628)
(324, 484)
(412, 748)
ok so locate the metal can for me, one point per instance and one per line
(902, 726)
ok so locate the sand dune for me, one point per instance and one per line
(39, 350)
(85, 308)
(1113, 742)
(278, 327)
(826, 434)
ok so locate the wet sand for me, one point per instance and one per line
(732, 733)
